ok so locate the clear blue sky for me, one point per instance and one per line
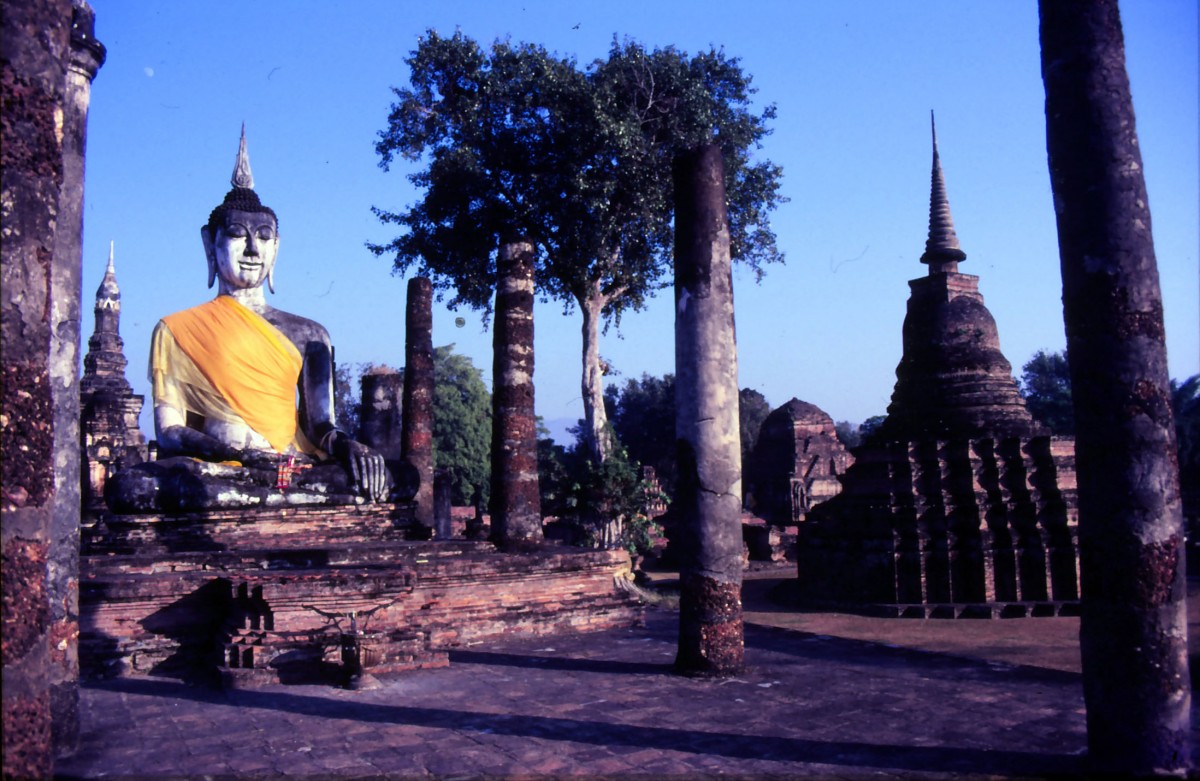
(853, 81)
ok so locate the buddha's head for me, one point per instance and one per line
(241, 238)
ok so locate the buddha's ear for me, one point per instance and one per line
(210, 254)
(271, 270)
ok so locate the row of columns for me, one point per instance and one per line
(709, 491)
(1133, 633)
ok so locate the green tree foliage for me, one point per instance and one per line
(868, 427)
(522, 142)
(1046, 387)
(847, 434)
(753, 409)
(642, 415)
(603, 502)
(462, 425)
(347, 398)
(554, 480)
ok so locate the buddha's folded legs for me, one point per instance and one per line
(184, 484)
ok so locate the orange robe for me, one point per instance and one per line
(221, 360)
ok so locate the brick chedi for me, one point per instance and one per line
(960, 504)
(796, 463)
(108, 407)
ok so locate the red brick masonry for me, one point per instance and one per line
(260, 596)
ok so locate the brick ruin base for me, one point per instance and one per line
(981, 528)
(252, 597)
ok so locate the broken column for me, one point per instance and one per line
(381, 424)
(709, 491)
(417, 440)
(516, 502)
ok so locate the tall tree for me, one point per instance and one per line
(520, 141)
(1046, 387)
(1133, 627)
(462, 425)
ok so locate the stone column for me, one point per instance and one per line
(87, 55)
(516, 502)
(443, 485)
(418, 393)
(709, 490)
(1133, 625)
(380, 421)
(38, 573)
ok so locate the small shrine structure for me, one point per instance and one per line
(796, 463)
(960, 504)
(111, 439)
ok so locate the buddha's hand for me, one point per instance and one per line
(366, 468)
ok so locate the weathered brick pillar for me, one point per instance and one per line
(516, 502)
(709, 491)
(87, 55)
(381, 420)
(1133, 625)
(39, 188)
(418, 393)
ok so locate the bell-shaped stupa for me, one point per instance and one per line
(959, 504)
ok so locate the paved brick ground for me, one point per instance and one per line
(862, 700)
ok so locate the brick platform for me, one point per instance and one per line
(267, 596)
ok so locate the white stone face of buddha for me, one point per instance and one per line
(245, 250)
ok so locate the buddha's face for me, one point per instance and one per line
(245, 249)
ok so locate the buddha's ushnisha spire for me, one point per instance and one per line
(111, 269)
(241, 170)
(942, 252)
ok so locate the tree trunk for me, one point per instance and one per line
(1133, 630)
(595, 418)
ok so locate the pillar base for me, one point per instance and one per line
(711, 642)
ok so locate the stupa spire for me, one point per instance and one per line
(942, 251)
(108, 295)
(241, 169)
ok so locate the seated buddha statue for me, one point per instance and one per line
(243, 392)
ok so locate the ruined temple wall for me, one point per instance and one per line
(927, 526)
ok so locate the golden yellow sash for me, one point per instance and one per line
(248, 362)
